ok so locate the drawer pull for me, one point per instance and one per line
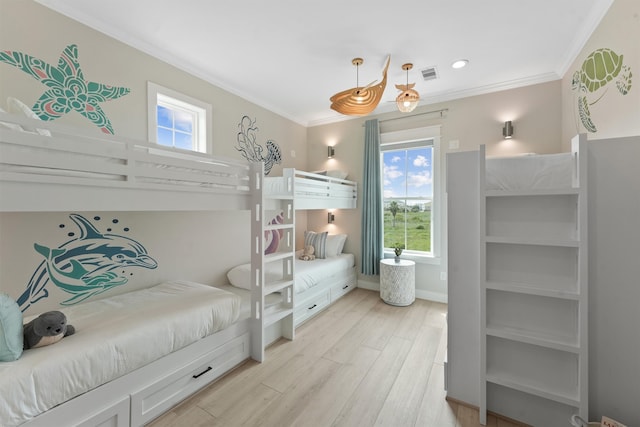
(203, 372)
(313, 306)
(345, 286)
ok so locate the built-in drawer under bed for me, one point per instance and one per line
(114, 336)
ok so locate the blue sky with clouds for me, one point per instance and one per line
(408, 173)
(175, 128)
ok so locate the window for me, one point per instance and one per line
(176, 120)
(409, 190)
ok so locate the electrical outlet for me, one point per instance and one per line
(293, 153)
(454, 144)
(443, 275)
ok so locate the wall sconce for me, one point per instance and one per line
(507, 130)
(331, 151)
(330, 218)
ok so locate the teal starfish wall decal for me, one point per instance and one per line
(68, 90)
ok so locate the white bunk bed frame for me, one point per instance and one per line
(294, 190)
(76, 170)
(80, 171)
(518, 285)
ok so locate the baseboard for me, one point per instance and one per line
(365, 284)
(420, 293)
(431, 296)
(502, 417)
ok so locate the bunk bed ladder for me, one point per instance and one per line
(533, 299)
(271, 299)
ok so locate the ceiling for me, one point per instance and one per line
(290, 56)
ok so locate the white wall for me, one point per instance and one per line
(198, 246)
(534, 110)
(613, 114)
(194, 246)
(614, 279)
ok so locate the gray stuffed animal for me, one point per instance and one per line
(48, 328)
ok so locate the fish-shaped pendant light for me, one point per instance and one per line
(360, 101)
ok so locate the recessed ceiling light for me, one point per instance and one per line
(460, 63)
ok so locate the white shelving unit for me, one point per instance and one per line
(533, 299)
(271, 301)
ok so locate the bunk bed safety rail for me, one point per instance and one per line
(74, 157)
(315, 191)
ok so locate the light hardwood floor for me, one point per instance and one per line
(361, 362)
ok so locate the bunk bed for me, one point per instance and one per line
(276, 302)
(517, 245)
(47, 167)
(110, 375)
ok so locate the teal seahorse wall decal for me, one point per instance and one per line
(252, 150)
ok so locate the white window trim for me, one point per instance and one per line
(387, 140)
(155, 93)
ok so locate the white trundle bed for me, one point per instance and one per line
(318, 283)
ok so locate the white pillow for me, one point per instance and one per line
(240, 276)
(12, 126)
(335, 244)
(18, 107)
(337, 174)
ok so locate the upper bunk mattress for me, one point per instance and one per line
(530, 172)
(114, 336)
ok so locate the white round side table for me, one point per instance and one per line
(398, 281)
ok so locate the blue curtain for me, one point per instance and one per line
(372, 239)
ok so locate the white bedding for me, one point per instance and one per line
(543, 171)
(307, 273)
(113, 336)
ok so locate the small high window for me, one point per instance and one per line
(177, 120)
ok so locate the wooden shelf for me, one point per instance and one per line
(278, 256)
(540, 339)
(507, 381)
(532, 290)
(532, 241)
(277, 286)
(269, 227)
(276, 313)
(533, 193)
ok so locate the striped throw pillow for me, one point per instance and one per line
(318, 241)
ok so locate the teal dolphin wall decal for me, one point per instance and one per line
(84, 266)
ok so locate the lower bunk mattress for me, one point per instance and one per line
(307, 273)
(114, 336)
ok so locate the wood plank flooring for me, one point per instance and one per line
(359, 363)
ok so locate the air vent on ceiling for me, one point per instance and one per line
(429, 73)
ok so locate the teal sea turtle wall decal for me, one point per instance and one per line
(597, 70)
